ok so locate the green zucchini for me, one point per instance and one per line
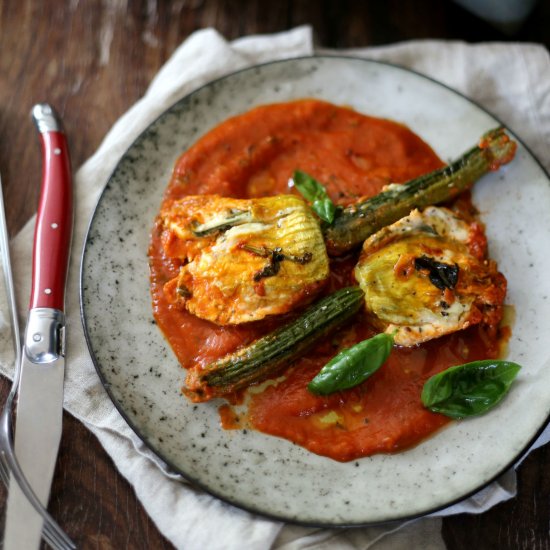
(353, 224)
(269, 354)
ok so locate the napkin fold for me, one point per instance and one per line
(510, 80)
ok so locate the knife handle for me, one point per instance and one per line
(52, 234)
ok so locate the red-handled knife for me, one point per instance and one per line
(40, 401)
(52, 236)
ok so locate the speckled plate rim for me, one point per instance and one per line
(136, 428)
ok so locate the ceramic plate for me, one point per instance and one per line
(266, 474)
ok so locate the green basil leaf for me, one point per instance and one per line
(308, 186)
(325, 209)
(315, 193)
(469, 389)
(353, 365)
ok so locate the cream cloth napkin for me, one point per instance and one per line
(512, 81)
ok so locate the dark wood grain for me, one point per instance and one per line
(93, 59)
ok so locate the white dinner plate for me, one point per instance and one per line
(266, 474)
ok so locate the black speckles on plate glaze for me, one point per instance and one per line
(269, 475)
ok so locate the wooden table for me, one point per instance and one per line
(93, 60)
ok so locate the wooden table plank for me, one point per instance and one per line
(93, 60)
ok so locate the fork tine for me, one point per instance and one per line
(57, 537)
(4, 472)
(58, 541)
(52, 539)
(51, 532)
(8, 461)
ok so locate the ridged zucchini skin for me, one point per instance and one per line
(353, 224)
(269, 354)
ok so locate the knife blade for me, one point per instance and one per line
(38, 423)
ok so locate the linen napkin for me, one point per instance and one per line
(510, 80)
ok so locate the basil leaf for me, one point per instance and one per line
(308, 186)
(315, 193)
(353, 365)
(469, 389)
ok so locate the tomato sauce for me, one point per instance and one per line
(354, 155)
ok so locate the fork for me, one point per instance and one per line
(9, 467)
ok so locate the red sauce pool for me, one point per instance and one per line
(354, 155)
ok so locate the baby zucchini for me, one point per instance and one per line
(267, 355)
(353, 224)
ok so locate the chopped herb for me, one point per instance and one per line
(234, 217)
(441, 275)
(270, 270)
(306, 258)
(183, 291)
(276, 256)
